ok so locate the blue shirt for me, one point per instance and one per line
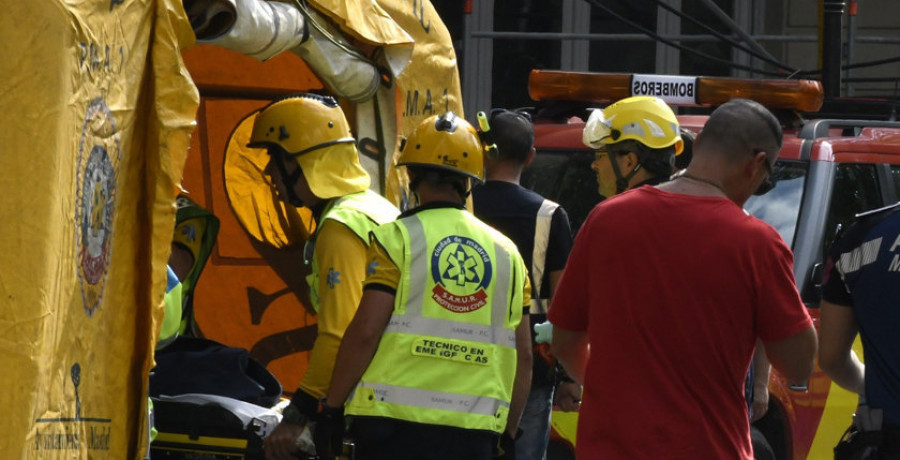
(864, 274)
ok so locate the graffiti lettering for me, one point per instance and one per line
(97, 58)
(426, 106)
(419, 14)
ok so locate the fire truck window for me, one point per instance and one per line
(855, 190)
(781, 206)
(895, 173)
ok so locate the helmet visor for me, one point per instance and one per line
(598, 130)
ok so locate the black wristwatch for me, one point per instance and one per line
(291, 414)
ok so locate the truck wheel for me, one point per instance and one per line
(761, 448)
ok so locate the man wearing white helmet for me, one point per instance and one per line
(662, 334)
(635, 141)
(314, 162)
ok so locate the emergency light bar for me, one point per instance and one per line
(803, 95)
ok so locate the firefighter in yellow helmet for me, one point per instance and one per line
(635, 141)
(437, 361)
(314, 162)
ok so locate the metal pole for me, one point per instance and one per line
(851, 44)
(832, 33)
(478, 61)
(576, 17)
(668, 59)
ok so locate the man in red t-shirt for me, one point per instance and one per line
(673, 327)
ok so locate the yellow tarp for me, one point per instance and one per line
(96, 114)
(429, 84)
(367, 20)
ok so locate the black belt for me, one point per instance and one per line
(878, 438)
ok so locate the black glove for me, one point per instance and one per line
(306, 403)
(329, 433)
(302, 409)
(506, 446)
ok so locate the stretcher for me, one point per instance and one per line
(208, 427)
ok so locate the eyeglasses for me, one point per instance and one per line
(600, 153)
(769, 182)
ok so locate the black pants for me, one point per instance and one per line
(380, 438)
(862, 446)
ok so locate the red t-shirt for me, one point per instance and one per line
(673, 291)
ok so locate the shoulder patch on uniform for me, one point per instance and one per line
(461, 270)
(333, 277)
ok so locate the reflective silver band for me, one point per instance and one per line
(500, 303)
(418, 266)
(539, 255)
(538, 306)
(434, 327)
(426, 399)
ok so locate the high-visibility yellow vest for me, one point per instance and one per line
(448, 354)
(170, 326)
(361, 212)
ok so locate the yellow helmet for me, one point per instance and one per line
(645, 119)
(447, 142)
(314, 131)
(300, 124)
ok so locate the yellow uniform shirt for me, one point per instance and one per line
(341, 257)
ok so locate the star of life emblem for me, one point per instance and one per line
(462, 271)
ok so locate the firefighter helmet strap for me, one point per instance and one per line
(290, 181)
(621, 181)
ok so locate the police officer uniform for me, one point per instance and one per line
(865, 275)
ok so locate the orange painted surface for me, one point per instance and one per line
(215, 69)
(249, 294)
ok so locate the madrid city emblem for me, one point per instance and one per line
(99, 153)
(461, 270)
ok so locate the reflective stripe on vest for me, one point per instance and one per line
(418, 266)
(452, 329)
(428, 399)
(542, 223)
